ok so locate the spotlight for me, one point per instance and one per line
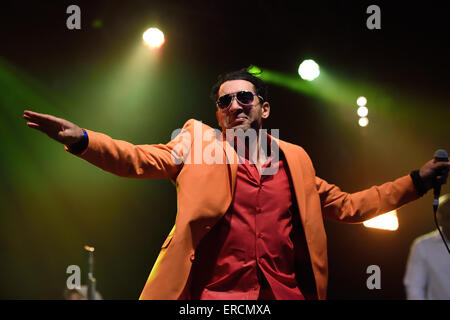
(362, 111)
(387, 221)
(154, 38)
(254, 70)
(308, 70)
(361, 101)
(363, 122)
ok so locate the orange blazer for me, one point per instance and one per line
(205, 191)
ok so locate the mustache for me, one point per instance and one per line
(239, 113)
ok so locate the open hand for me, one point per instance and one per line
(58, 129)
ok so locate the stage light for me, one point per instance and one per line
(362, 111)
(363, 122)
(387, 221)
(154, 38)
(254, 70)
(309, 70)
(361, 101)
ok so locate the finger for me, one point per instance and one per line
(43, 126)
(37, 116)
(442, 166)
(441, 160)
(41, 118)
(34, 125)
(44, 130)
(29, 112)
(27, 117)
(32, 117)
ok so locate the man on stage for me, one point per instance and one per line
(250, 211)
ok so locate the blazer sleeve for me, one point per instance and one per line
(139, 161)
(360, 206)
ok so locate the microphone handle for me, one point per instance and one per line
(437, 186)
(91, 279)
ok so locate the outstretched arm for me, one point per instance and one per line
(360, 206)
(116, 156)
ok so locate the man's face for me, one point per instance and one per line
(238, 116)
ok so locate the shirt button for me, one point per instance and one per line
(260, 235)
(258, 210)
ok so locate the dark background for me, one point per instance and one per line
(52, 203)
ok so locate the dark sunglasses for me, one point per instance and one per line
(244, 98)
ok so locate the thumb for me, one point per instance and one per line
(70, 136)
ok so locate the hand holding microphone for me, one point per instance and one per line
(434, 173)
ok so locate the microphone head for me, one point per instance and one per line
(441, 155)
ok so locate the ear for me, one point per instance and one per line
(265, 110)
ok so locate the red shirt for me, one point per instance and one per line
(252, 246)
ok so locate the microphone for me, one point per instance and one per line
(440, 155)
(91, 279)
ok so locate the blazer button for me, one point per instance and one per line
(192, 257)
(207, 228)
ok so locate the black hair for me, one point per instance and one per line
(242, 74)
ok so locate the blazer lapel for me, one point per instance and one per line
(232, 162)
(294, 167)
